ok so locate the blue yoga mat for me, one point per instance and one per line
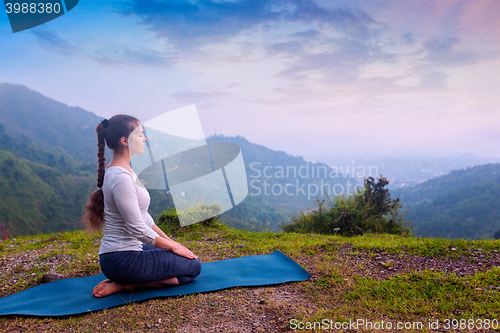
(74, 296)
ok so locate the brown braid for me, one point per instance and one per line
(118, 126)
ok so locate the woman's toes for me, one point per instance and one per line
(97, 289)
(108, 289)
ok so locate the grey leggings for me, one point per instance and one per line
(151, 264)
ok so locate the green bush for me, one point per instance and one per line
(168, 220)
(370, 210)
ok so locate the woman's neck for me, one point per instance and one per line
(121, 160)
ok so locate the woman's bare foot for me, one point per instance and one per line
(108, 287)
(100, 285)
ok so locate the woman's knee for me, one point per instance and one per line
(196, 267)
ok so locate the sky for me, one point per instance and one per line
(317, 78)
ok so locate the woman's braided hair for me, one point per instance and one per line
(109, 132)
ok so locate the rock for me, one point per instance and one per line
(63, 256)
(52, 276)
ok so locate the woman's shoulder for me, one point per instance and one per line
(118, 173)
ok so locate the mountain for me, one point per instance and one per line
(38, 199)
(23, 146)
(51, 133)
(450, 183)
(471, 213)
(48, 123)
(42, 190)
(463, 204)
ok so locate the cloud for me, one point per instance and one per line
(408, 39)
(434, 80)
(292, 48)
(207, 99)
(107, 61)
(343, 64)
(309, 46)
(53, 43)
(443, 50)
(115, 57)
(311, 33)
(145, 58)
(111, 56)
(233, 85)
(208, 21)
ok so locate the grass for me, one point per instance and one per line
(336, 291)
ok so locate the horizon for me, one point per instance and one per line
(349, 159)
(340, 160)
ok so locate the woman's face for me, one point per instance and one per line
(136, 141)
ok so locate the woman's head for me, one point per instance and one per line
(117, 127)
(115, 134)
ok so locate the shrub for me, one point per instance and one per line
(370, 210)
(497, 234)
(168, 220)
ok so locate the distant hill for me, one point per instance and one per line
(23, 146)
(450, 183)
(51, 124)
(471, 213)
(39, 199)
(463, 204)
(42, 190)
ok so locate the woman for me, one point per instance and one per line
(134, 252)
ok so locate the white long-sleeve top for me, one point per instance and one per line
(127, 223)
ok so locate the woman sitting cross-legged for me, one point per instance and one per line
(134, 252)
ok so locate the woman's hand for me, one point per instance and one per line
(175, 247)
(183, 251)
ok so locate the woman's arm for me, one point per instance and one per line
(124, 193)
(159, 231)
(165, 242)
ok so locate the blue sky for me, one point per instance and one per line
(316, 78)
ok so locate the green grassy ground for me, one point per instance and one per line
(345, 287)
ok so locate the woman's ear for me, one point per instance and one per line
(124, 141)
